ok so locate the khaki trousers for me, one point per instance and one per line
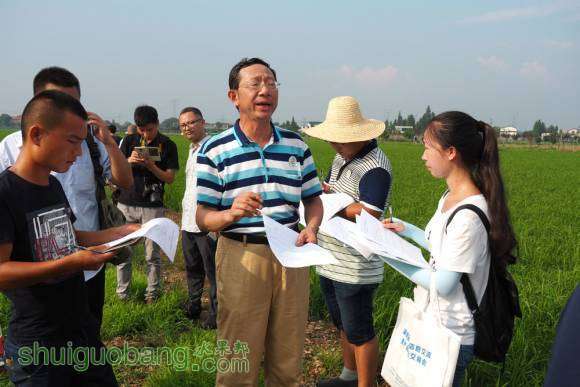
(265, 305)
(152, 253)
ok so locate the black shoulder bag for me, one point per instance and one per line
(494, 317)
(109, 214)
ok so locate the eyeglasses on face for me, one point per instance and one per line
(257, 85)
(190, 123)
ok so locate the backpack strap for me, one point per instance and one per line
(99, 174)
(469, 294)
(473, 208)
(467, 287)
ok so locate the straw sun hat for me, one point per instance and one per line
(344, 123)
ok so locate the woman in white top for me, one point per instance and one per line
(463, 151)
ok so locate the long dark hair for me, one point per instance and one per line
(476, 142)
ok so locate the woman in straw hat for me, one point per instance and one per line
(361, 170)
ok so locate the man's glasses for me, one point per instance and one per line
(257, 85)
(190, 123)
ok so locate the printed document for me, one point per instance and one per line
(385, 242)
(282, 241)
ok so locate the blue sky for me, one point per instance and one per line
(509, 62)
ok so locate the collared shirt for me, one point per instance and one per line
(10, 149)
(78, 182)
(189, 203)
(367, 179)
(145, 183)
(283, 173)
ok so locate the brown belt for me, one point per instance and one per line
(256, 239)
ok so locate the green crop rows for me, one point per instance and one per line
(543, 194)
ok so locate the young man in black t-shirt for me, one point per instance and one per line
(152, 169)
(41, 262)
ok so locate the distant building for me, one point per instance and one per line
(402, 128)
(16, 120)
(309, 124)
(217, 126)
(572, 132)
(306, 125)
(508, 131)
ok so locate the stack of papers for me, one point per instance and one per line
(348, 233)
(385, 242)
(332, 204)
(336, 227)
(162, 231)
(367, 235)
(282, 241)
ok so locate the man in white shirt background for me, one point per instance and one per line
(198, 247)
(79, 181)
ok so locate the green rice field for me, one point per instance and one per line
(543, 195)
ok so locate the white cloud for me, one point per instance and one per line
(559, 44)
(369, 74)
(493, 63)
(519, 13)
(533, 70)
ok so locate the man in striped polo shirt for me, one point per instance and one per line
(248, 170)
(361, 170)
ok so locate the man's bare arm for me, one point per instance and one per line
(121, 173)
(94, 238)
(167, 176)
(15, 274)
(355, 209)
(246, 204)
(313, 212)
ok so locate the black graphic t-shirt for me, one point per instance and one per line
(37, 221)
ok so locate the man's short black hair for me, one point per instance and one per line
(234, 79)
(47, 108)
(191, 109)
(112, 128)
(57, 76)
(145, 115)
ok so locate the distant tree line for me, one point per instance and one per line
(6, 121)
(415, 128)
(411, 127)
(290, 125)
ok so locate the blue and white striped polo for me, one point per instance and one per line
(283, 173)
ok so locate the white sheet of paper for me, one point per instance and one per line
(332, 203)
(89, 274)
(162, 231)
(282, 241)
(386, 242)
(347, 233)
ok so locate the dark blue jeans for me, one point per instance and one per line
(465, 357)
(351, 308)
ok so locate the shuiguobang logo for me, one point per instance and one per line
(415, 352)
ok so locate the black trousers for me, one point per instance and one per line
(96, 298)
(89, 368)
(199, 255)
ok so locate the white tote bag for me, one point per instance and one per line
(422, 352)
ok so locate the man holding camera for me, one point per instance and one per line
(153, 158)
